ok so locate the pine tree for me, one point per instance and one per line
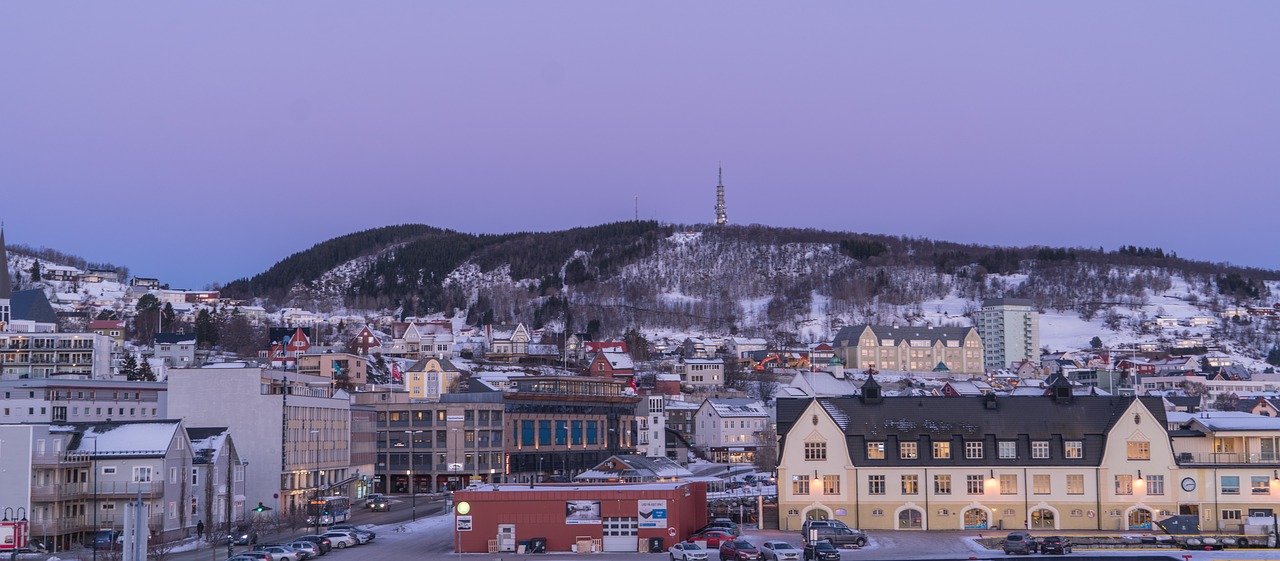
(35, 271)
(1096, 342)
(206, 330)
(1273, 357)
(144, 372)
(129, 367)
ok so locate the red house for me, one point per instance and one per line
(611, 365)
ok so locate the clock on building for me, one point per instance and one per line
(1188, 484)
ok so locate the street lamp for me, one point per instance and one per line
(1275, 517)
(413, 494)
(315, 493)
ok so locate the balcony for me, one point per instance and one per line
(129, 488)
(1228, 458)
(59, 492)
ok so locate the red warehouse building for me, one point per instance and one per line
(607, 516)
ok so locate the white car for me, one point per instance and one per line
(341, 539)
(779, 551)
(686, 551)
(281, 553)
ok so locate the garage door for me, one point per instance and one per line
(620, 534)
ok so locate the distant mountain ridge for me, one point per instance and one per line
(751, 279)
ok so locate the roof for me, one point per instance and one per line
(1085, 418)
(619, 361)
(850, 335)
(825, 384)
(32, 305)
(738, 407)
(1228, 421)
(106, 324)
(634, 465)
(207, 443)
(121, 438)
(175, 338)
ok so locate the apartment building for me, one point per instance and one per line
(730, 430)
(1053, 462)
(1010, 331)
(920, 349)
(81, 400)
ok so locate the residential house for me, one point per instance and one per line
(910, 348)
(101, 275)
(705, 373)
(738, 347)
(334, 366)
(507, 343)
(61, 273)
(287, 344)
(731, 430)
(366, 341)
(965, 388)
(1226, 468)
(145, 283)
(611, 365)
(111, 328)
(424, 338)
(177, 350)
(217, 477)
(430, 378)
(700, 347)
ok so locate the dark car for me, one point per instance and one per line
(821, 551)
(244, 535)
(377, 503)
(322, 542)
(741, 550)
(1054, 544)
(839, 537)
(1020, 543)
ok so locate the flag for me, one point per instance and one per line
(633, 384)
(395, 373)
(337, 368)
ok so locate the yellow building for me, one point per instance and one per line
(863, 347)
(430, 378)
(1057, 461)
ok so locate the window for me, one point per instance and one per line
(108, 470)
(1008, 450)
(1008, 484)
(910, 485)
(1124, 484)
(1155, 484)
(195, 477)
(815, 451)
(141, 474)
(592, 429)
(575, 432)
(973, 484)
(1139, 450)
(526, 433)
(973, 450)
(831, 484)
(875, 484)
(942, 484)
(1260, 485)
(941, 450)
(562, 433)
(1231, 515)
(1230, 485)
(1075, 484)
(908, 451)
(875, 450)
(800, 485)
(1073, 449)
(1040, 449)
(1040, 484)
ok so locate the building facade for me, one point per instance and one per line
(79, 400)
(564, 425)
(1010, 331)
(730, 430)
(863, 347)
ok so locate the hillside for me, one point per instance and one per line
(783, 284)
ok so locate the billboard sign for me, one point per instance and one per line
(582, 512)
(653, 513)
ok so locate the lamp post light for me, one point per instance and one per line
(1275, 517)
(315, 484)
(413, 493)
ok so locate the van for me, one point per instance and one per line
(839, 537)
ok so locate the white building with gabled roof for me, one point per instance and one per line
(730, 430)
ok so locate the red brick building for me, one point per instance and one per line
(612, 517)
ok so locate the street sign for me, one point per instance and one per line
(455, 467)
(464, 523)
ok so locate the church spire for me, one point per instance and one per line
(722, 217)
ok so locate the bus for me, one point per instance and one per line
(327, 511)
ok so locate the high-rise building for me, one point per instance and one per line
(1010, 330)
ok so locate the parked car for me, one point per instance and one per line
(281, 553)
(310, 548)
(687, 552)
(821, 551)
(341, 539)
(250, 556)
(377, 502)
(738, 549)
(779, 551)
(730, 528)
(1054, 544)
(713, 538)
(839, 537)
(1019, 543)
(351, 528)
(804, 528)
(322, 542)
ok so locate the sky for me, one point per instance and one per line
(203, 142)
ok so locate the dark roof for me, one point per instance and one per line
(32, 305)
(899, 334)
(925, 419)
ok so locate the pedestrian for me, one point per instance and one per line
(230, 552)
(200, 530)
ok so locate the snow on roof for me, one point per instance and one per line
(559, 487)
(1219, 421)
(736, 407)
(619, 361)
(840, 417)
(667, 377)
(825, 383)
(135, 438)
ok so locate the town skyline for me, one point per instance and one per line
(261, 130)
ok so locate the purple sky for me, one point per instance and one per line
(201, 142)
